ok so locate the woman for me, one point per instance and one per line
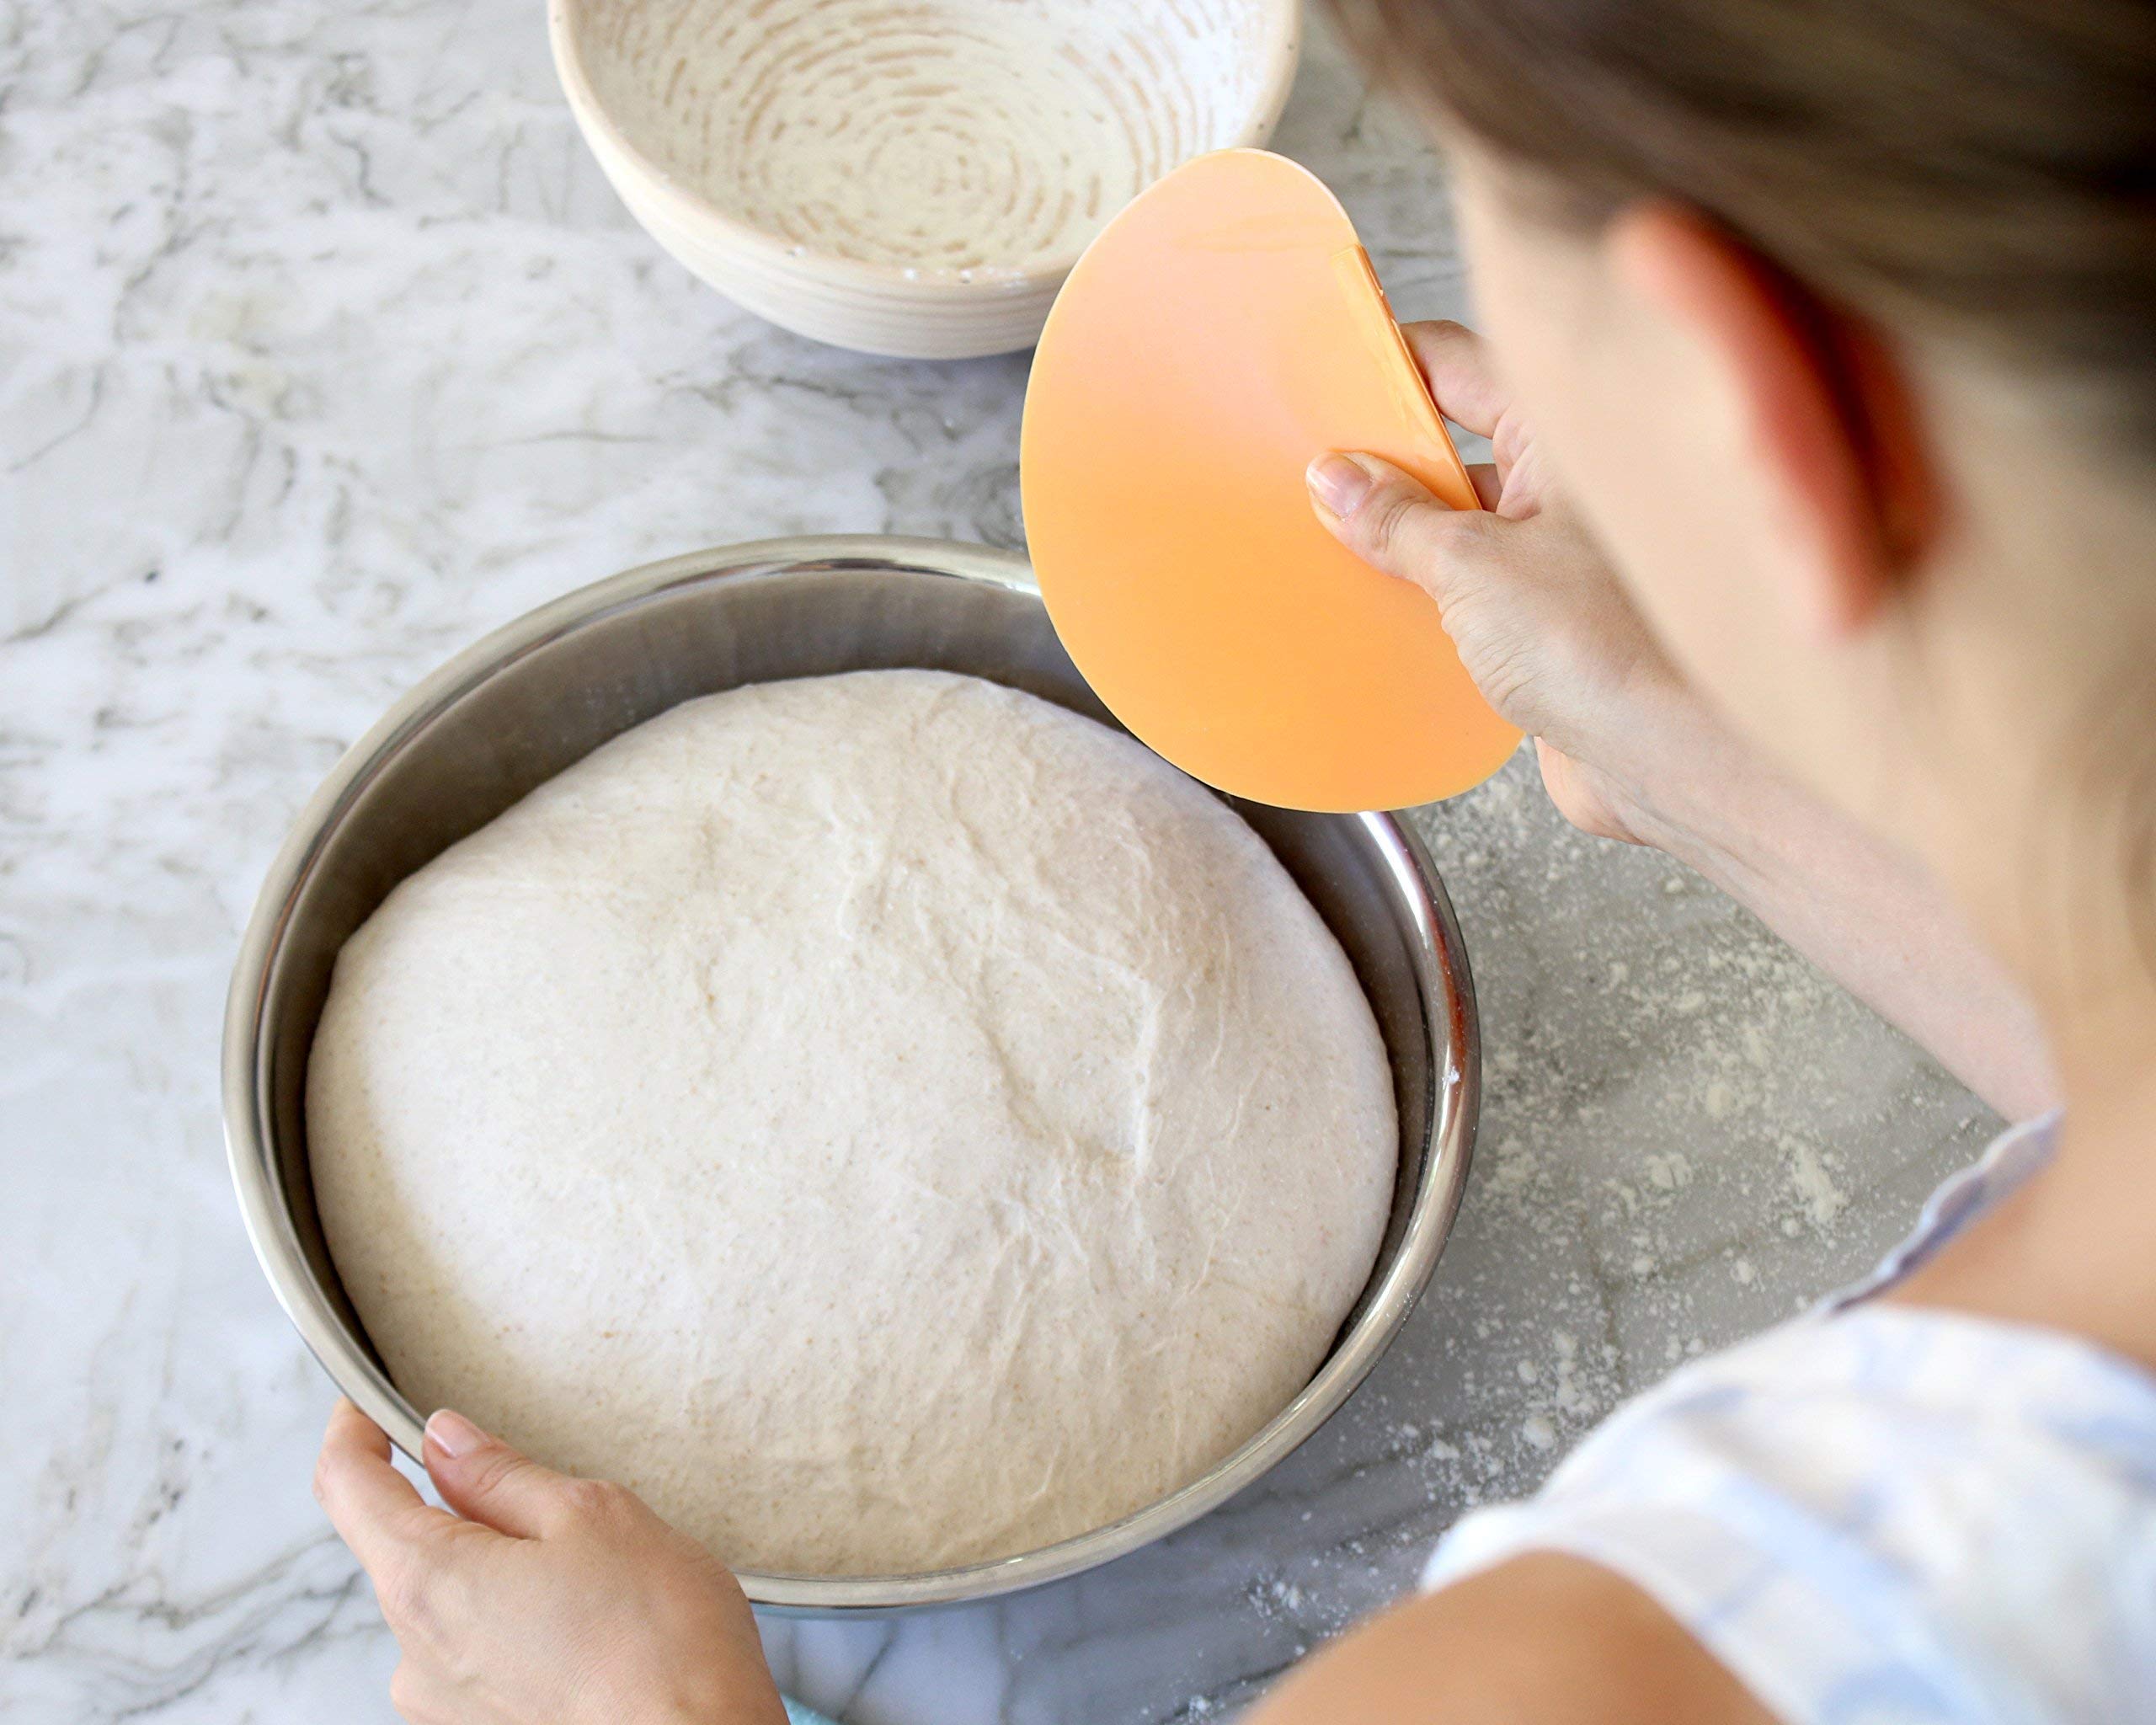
(1821, 373)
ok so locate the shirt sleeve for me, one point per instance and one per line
(1887, 1516)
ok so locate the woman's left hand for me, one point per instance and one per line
(552, 1601)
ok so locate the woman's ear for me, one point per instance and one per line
(1826, 407)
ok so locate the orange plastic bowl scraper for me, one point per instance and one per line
(1223, 330)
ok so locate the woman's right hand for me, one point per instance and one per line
(1539, 619)
(1630, 752)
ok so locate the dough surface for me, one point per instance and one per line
(887, 1120)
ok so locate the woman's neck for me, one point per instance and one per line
(2075, 1248)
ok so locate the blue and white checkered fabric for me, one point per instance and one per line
(1883, 1514)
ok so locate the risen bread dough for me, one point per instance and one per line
(888, 1120)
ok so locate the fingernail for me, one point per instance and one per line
(1338, 483)
(452, 1433)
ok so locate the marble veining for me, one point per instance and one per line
(323, 349)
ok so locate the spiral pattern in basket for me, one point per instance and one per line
(943, 138)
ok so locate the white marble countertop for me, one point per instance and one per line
(323, 349)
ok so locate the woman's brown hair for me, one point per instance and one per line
(1989, 165)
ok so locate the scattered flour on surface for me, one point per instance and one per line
(1814, 1186)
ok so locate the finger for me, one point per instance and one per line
(375, 1509)
(1388, 520)
(1456, 363)
(1488, 486)
(484, 1480)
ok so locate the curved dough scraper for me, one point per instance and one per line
(1224, 329)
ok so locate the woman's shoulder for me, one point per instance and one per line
(1881, 1511)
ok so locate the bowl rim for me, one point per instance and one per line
(251, 1141)
(691, 209)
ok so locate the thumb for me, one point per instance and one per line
(483, 1480)
(1389, 520)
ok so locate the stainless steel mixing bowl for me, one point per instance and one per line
(535, 696)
